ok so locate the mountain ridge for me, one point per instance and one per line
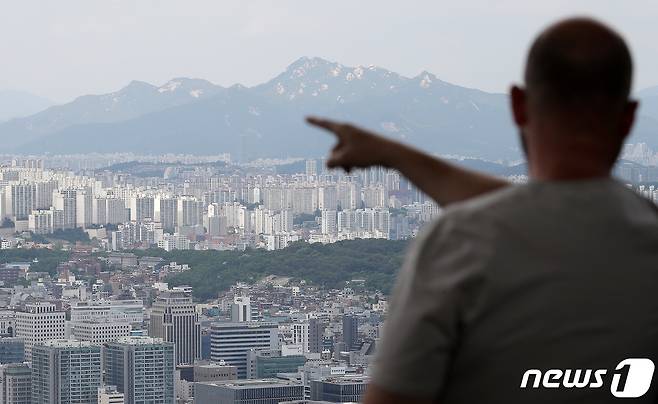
(266, 120)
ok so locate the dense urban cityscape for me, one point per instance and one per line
(94, 312)
(102, 312)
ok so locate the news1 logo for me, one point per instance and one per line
(631, 378)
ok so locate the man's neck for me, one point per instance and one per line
(578, 172)
(570, 159)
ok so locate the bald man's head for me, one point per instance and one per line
(579, 66)
(575, 111)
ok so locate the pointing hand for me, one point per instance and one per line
(356, 147)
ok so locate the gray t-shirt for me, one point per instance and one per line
(551, 277)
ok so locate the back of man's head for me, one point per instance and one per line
(579, 67)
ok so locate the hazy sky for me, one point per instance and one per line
(62, 49)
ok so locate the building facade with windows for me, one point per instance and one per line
(174, 319)
(142, 368)
(15, 384)
(38, 323)
(66, 372)
(231, 342)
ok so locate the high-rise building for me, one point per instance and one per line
(346, 221)
(129, 311)
(110, 395)
(66, 201)
(100, 332)
(231, 342)
(142, 368)
(15, 384)
(141, 208)
(38, 323)
(109, 210)
(375, 197)
(315, 335)
(174, 319)
(311, 167)
(235, 214)
(190, 211)
(217, 226)
(12, 350)
(300, 335)
(99, 210)
(66, 372)
(329, 222)
(32, 164)
(248, 391)
(44, 194)
(83, 207)
(304, 199)
(265, 363)
(20, 200)
(241, 309)
(327, 198)
(350, 332)
(42, 221)
(167, 212)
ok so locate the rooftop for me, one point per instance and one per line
(245, 324)
(68, 343)
(213, 365)
(346, 379)
(17, 369)
(139, 340)
(250, 384)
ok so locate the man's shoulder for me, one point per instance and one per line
(483, 209)
(553, 210)
(551, 198)
(468, 226)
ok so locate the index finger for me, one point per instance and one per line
(327, 124)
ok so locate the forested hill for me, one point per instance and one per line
(331, 265)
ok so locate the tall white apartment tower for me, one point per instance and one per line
(66, 201)
(190, 211)
(311, 167)
(166, 212)
(21, 199)
(38, 323)
(83, 208)
(300, 335)
(44, 194)
(141, 208)
(174, 319)
(327, 198)
(329, 225)
(241, 309)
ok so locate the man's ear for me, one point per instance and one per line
(628, 117)
(519, 106)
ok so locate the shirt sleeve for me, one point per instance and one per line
(423, 322)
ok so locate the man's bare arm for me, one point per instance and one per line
(444, 182)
